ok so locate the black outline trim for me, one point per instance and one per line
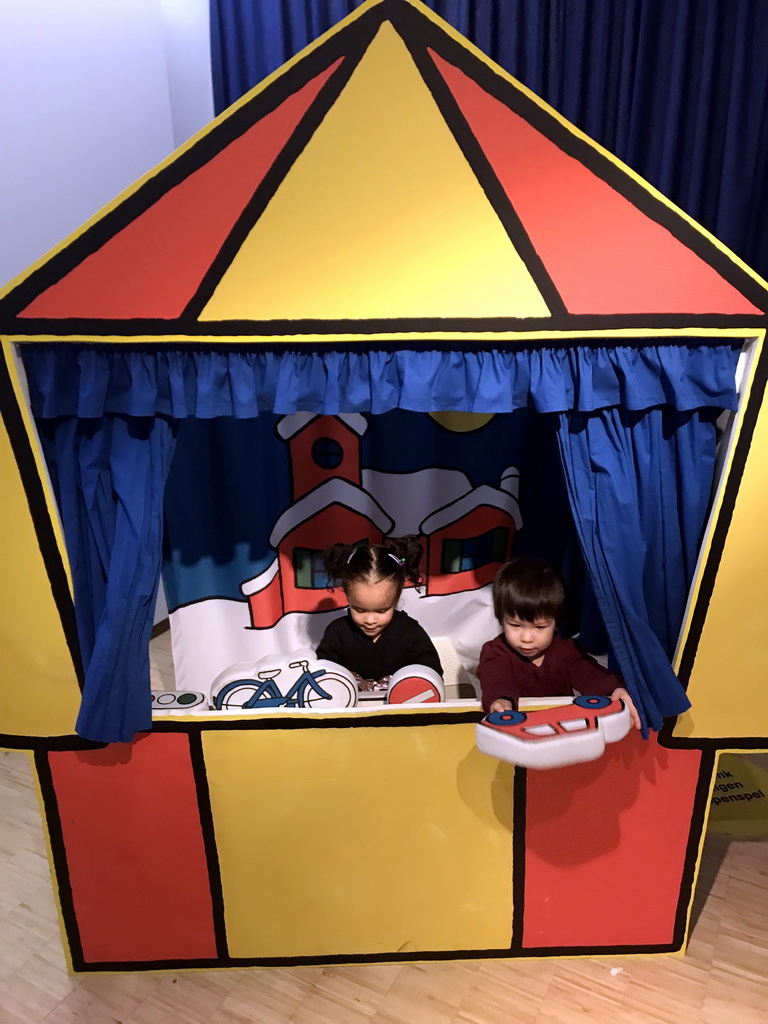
(235, 124)
(342, 959)
(708, 744)
(288, 331)
(32, 484)
(519, 824)
(516, 950)
(688, 873)
(212, 722)
(430, 35)
(61, 876)
(396, 720)
(419, 32)
(280, 167)
(483, 171)
(405, 19)
(39, 744)
(200, 775)
(696, 833)
(724, 517)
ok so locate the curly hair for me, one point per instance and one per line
(397, 560)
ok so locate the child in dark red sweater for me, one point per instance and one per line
(528, 659)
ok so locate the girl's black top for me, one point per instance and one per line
(402, 642)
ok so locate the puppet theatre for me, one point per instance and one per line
(389, 291)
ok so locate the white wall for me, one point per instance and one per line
(188, 54)
(93, 93)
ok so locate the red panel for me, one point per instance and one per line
(603, 254)
(134, 848)
(605, 847)
(153, 267)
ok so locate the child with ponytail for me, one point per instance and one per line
(373, 640)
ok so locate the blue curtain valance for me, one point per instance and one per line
(66, 380)
(107, 418)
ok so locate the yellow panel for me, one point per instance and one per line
(727, 688)
(381, 216)
(208, 129)
(489, 338)
(40, 696)
(739, 800)
(361, 840)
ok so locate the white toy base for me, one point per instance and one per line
(553, 737)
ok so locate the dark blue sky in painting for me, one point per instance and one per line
(230, 480)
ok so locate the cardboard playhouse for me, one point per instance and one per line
(389, 191)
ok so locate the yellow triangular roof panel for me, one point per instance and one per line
(409, 187)
(380, 216)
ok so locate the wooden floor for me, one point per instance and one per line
(722, 979)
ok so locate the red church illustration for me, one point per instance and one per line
(466, 531)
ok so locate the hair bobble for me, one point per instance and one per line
(353, 552)
(348, 564)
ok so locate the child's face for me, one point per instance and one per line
(372, 606)
(530, 639)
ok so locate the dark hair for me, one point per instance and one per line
(528, 589)
(397, 560)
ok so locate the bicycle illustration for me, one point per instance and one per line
(249, 687)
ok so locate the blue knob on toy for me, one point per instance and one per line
(505, 717)
(592, 702)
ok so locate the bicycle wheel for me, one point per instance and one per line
(248, 693)
(342, 693)
(235, 694)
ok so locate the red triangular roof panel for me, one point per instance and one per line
(153, 266)
(603, 254)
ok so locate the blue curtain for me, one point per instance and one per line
(109, 475)
(676, 88)
(639, 510)
(107, 417)
(89, 382)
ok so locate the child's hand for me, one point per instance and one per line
(621, 693)
(502, 704)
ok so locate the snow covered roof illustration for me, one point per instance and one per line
(510, 481)
(412, 497)
(331, 492)
(387, 181)
(482, 495)
(289, 426)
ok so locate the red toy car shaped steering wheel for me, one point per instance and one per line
(554, 737)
